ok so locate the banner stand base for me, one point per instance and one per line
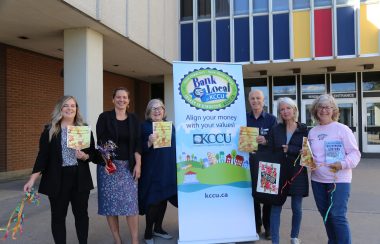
(226, 241)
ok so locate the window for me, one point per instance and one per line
(241, 39)
(345, 30)
(261, 38)
(186, 10)
(280, 5)
(321, 3)
(343, 82)
(204, 9)
(260, 6)
(223, 40)
(204, 41)
(371, 81)
(301, 4)
(341, 2)
(241, 7)
(284, 86)
(313, 84)
(281, 44)
(370, 1)
(222, 8)
(187, 42)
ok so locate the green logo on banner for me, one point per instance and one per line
(208, 89)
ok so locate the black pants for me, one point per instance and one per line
(154, 218)
(263, 219)
(79, 204)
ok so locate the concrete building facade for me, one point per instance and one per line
(86, 48)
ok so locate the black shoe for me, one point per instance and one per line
(268, 236)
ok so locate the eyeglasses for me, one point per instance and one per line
(326, 108)
(157, 109)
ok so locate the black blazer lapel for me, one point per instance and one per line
(283, 134)
(58, 146)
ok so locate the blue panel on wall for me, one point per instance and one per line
(241, 39)
(187, 42)
(346, 30)
(204, 41)
(261, 38)
(223, 40)
(281, 49)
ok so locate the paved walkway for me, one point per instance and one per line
(364, 215)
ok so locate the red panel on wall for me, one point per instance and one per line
(323, 32)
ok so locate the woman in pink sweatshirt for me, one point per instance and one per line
(336, 153)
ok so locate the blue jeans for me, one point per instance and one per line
(296, 219)
(337, 227)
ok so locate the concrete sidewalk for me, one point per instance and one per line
(364, 215)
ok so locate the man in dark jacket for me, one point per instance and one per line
(264, 121)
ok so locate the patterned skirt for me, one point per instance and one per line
(117, 192)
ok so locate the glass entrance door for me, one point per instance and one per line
(347, 109)
(371, 124)
(305, 113)
(348, 114)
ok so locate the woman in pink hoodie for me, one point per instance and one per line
(336, 153)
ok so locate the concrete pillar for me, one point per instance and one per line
(83, 73)
(169, 96)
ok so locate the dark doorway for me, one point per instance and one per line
(157, 91)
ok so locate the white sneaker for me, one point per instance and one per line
(295, 241)
(149, 241)
(162, 235)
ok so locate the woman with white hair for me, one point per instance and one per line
(287, 137)
(331, 180)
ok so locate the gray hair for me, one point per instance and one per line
(291, 103)
(323, 100)
(150, 106)
(256, 90)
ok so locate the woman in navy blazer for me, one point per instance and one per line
(66, 176)
(158, 182)
(287, 137)
(117, 192)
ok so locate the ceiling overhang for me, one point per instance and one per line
(44, 21)
(351, 64)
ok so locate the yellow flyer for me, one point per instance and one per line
(307, 157)
(78, 137)
(247, 139)
(163, 130)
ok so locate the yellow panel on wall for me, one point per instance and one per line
(301, 34)
(369, 28)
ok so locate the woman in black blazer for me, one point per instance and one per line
(66, 176)
(117, 192)
(287, 137)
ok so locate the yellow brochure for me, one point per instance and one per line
(163, 130)
(78, 137)
(307, 157)
(247, 139)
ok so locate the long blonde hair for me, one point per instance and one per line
(56, 116)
